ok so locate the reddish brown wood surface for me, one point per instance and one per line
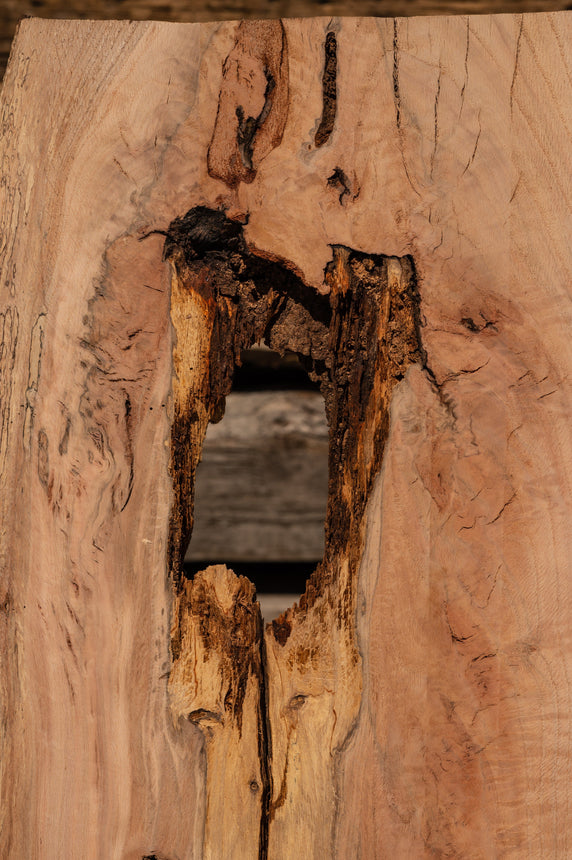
(416, 254)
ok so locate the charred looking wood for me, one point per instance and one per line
(329, 90)
(155, 857)
(202, 230)
(355, 342)
(338, 179)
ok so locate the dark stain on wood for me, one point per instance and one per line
(43, 458)
(339, 180)
(282, 627)
(233, 632)
(155, 856)
(64, 441)
(253, 102)
(329, 90)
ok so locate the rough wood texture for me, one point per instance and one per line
(416, 255)
(216, 684)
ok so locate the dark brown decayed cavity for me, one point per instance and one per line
(250, 119)
(329, 90)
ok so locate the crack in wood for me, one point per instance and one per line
(329, 90)
(398, 105)
(34, 365)
(8, 342)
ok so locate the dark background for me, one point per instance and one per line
(220, 10)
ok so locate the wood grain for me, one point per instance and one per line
(232, 10)
(417, 702)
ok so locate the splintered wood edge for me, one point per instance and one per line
(357, 340)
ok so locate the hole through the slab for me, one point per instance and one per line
(261, 486)
(356, 338)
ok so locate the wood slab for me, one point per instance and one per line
(389, 199)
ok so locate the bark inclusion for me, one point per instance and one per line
(356, 342)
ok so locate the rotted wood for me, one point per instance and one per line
(387, 200)
(217, 683)
(357, 342)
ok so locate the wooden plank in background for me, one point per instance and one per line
(262, 483)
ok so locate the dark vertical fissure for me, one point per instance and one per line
(329, 90)
(265, 753)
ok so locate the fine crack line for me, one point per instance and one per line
(397, 102)
(492, 588)
(436, 121)
(472, 158)
(516, 187)
(465, 82)
(502, 510)
(516, 58)
(464, 371)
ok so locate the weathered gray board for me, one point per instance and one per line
(262, 483)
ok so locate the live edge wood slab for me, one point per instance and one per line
(389, 199)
